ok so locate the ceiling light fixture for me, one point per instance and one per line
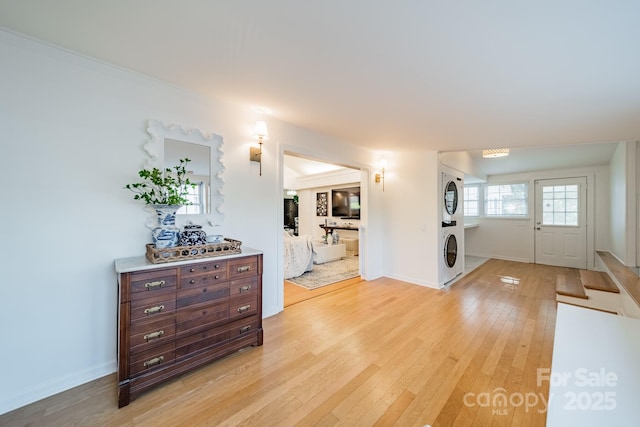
(495, 152)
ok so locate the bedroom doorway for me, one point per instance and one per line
(321, 245)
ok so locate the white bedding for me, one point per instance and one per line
(298, 255)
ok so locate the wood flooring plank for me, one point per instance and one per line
(598, 280)
(472, 381)
(569, 285)
(325, 410)
(381, 352)
(320, 404)
(394, 410)
(623, 274)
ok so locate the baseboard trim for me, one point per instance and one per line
(413, 281)
(56, 386)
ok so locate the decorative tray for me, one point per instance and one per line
(181, 253)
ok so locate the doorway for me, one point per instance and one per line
(561, 222)
(314, 178)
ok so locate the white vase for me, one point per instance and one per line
(164, 232)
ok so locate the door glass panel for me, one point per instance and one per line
(451, 250)
(560, 205)
(451, 198)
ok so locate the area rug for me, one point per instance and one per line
(328, 273)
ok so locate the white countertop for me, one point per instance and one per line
(595, 373)
(125, 265)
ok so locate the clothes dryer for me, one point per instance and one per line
(451, 200)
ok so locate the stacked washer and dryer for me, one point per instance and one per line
(452, 227)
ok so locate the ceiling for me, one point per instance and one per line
(385, 75)
(305, 167)
(529, 159)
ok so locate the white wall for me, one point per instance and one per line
(73, 131)
(623, 203)
(411, 203)
(463, 162)
(513, 239)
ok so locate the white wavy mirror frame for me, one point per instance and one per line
(166, 138)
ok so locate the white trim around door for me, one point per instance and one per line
(561, 222)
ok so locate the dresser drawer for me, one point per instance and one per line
(146, 282)
(243, 286)
(203, 339)
(205, 267)
(153, 358)
(203, 279)
(155, 306)
(243, 267)
(243, 326)
(178, 316)
(145, 335)
(202, 316)
(243, 306)
(202, 294)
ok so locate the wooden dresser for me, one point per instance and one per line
(175, 317)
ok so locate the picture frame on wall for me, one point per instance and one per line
(322, 204)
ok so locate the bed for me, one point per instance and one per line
(298, 255)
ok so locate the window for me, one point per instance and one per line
(506, 200)
(195, 197)
(560, 205)
(471, 200)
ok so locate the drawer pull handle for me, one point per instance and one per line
(245, 329)
(244, 308)
(192, 281)
(153, 310)
(192, 270)
(216, 266)
(154, 361)
(244, 268)
(156, 284)
(153, 335)
(245, 288)
(216, 277)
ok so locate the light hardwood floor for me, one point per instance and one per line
(381, 353)
(294, 294)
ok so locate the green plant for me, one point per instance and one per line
(168, 187)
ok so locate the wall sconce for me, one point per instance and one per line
(261, 132)
(380, 176)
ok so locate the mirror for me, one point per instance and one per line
(198, 172)
(168, 144)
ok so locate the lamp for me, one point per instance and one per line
(495, 152)
(261, 132)
(380, 176)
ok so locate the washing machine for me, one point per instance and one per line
(450, 262)
(452, 229)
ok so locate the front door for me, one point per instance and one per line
(561, 222)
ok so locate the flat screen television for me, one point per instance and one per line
(345, 203)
